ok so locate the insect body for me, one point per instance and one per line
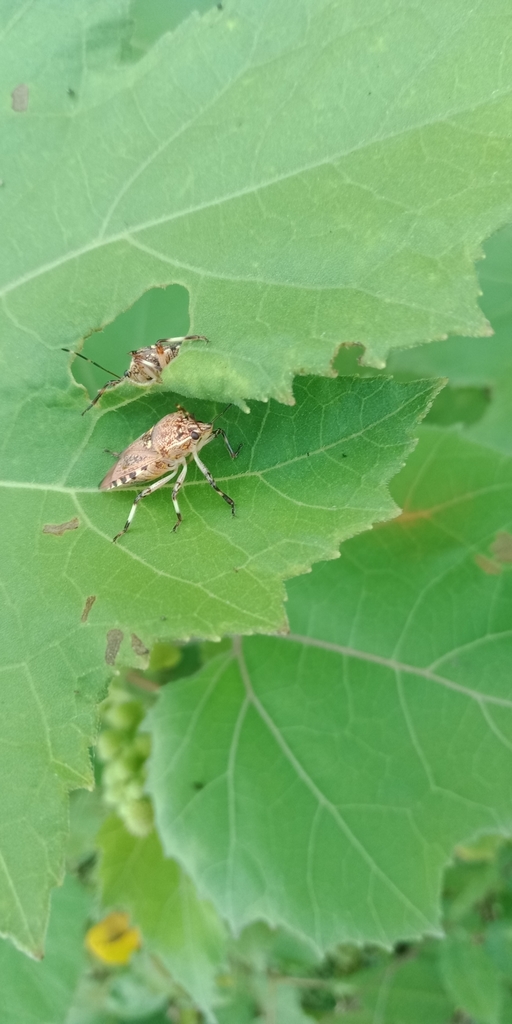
(146, 364)
(165, 449)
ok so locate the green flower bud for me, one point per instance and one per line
(114, 794)
(142, 744)
(126, 715)
(138, 816)
(116, 771)
(109, 743)
(134, 789)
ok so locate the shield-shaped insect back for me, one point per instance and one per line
(162, 452)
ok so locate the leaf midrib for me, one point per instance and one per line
(322, 800)
(399, 667)
(101, 241)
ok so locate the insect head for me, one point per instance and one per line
(146, 364)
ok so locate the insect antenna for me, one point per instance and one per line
(87, 360)
(222, 413)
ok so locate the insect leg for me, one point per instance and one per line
(187, 337)
(144, 494)
(221, 433)
(176, 488)
(108, 451)
(106, 387)
(211, 481)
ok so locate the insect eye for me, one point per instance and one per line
(194, 435)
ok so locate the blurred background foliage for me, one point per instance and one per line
(269, 975)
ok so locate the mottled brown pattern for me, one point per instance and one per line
(173, 440)
(487, 565)
(59, 528)
(158, 451)
(501, 547)
(138, 646)
(87, 607)
(114, 641)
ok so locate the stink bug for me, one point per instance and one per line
(165, 449)
(146, 364)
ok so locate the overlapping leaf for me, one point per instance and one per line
(339, 765)
(48, 691)
(314, 172)
(309, 476)
(399, 993)
(37, 993)
(183, 930)
(479, 363)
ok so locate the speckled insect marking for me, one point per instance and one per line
(165, 449)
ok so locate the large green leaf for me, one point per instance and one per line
(479, 370)
(322, 779)
(183, 930)
(314, 172)
(471, 978)
(41, 993)
(309, 476)
(48, 695)
(402, 992)
(473, 362)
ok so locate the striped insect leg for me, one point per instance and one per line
(144, 494)
(106, 387)
(177, 487)
(206, 472)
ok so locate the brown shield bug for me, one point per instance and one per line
(164, 450)
(146, 364)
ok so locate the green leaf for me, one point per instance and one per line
(473, 363)
(470, 976)
(86, 814)
(280, 1002)
(403, 991)
(498, 944)
(340, 764)
(182, 929)
(40, 993)
(46, 728)
(312, 172)
(73, 594)
(139, 993)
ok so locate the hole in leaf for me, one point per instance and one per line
(159, 313)
(19, 98)
(59, 528)
(152, 18)
(87, 607)
(114, 641)
(138, 646)
(459, 405)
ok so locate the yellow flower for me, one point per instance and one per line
(112, 939)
